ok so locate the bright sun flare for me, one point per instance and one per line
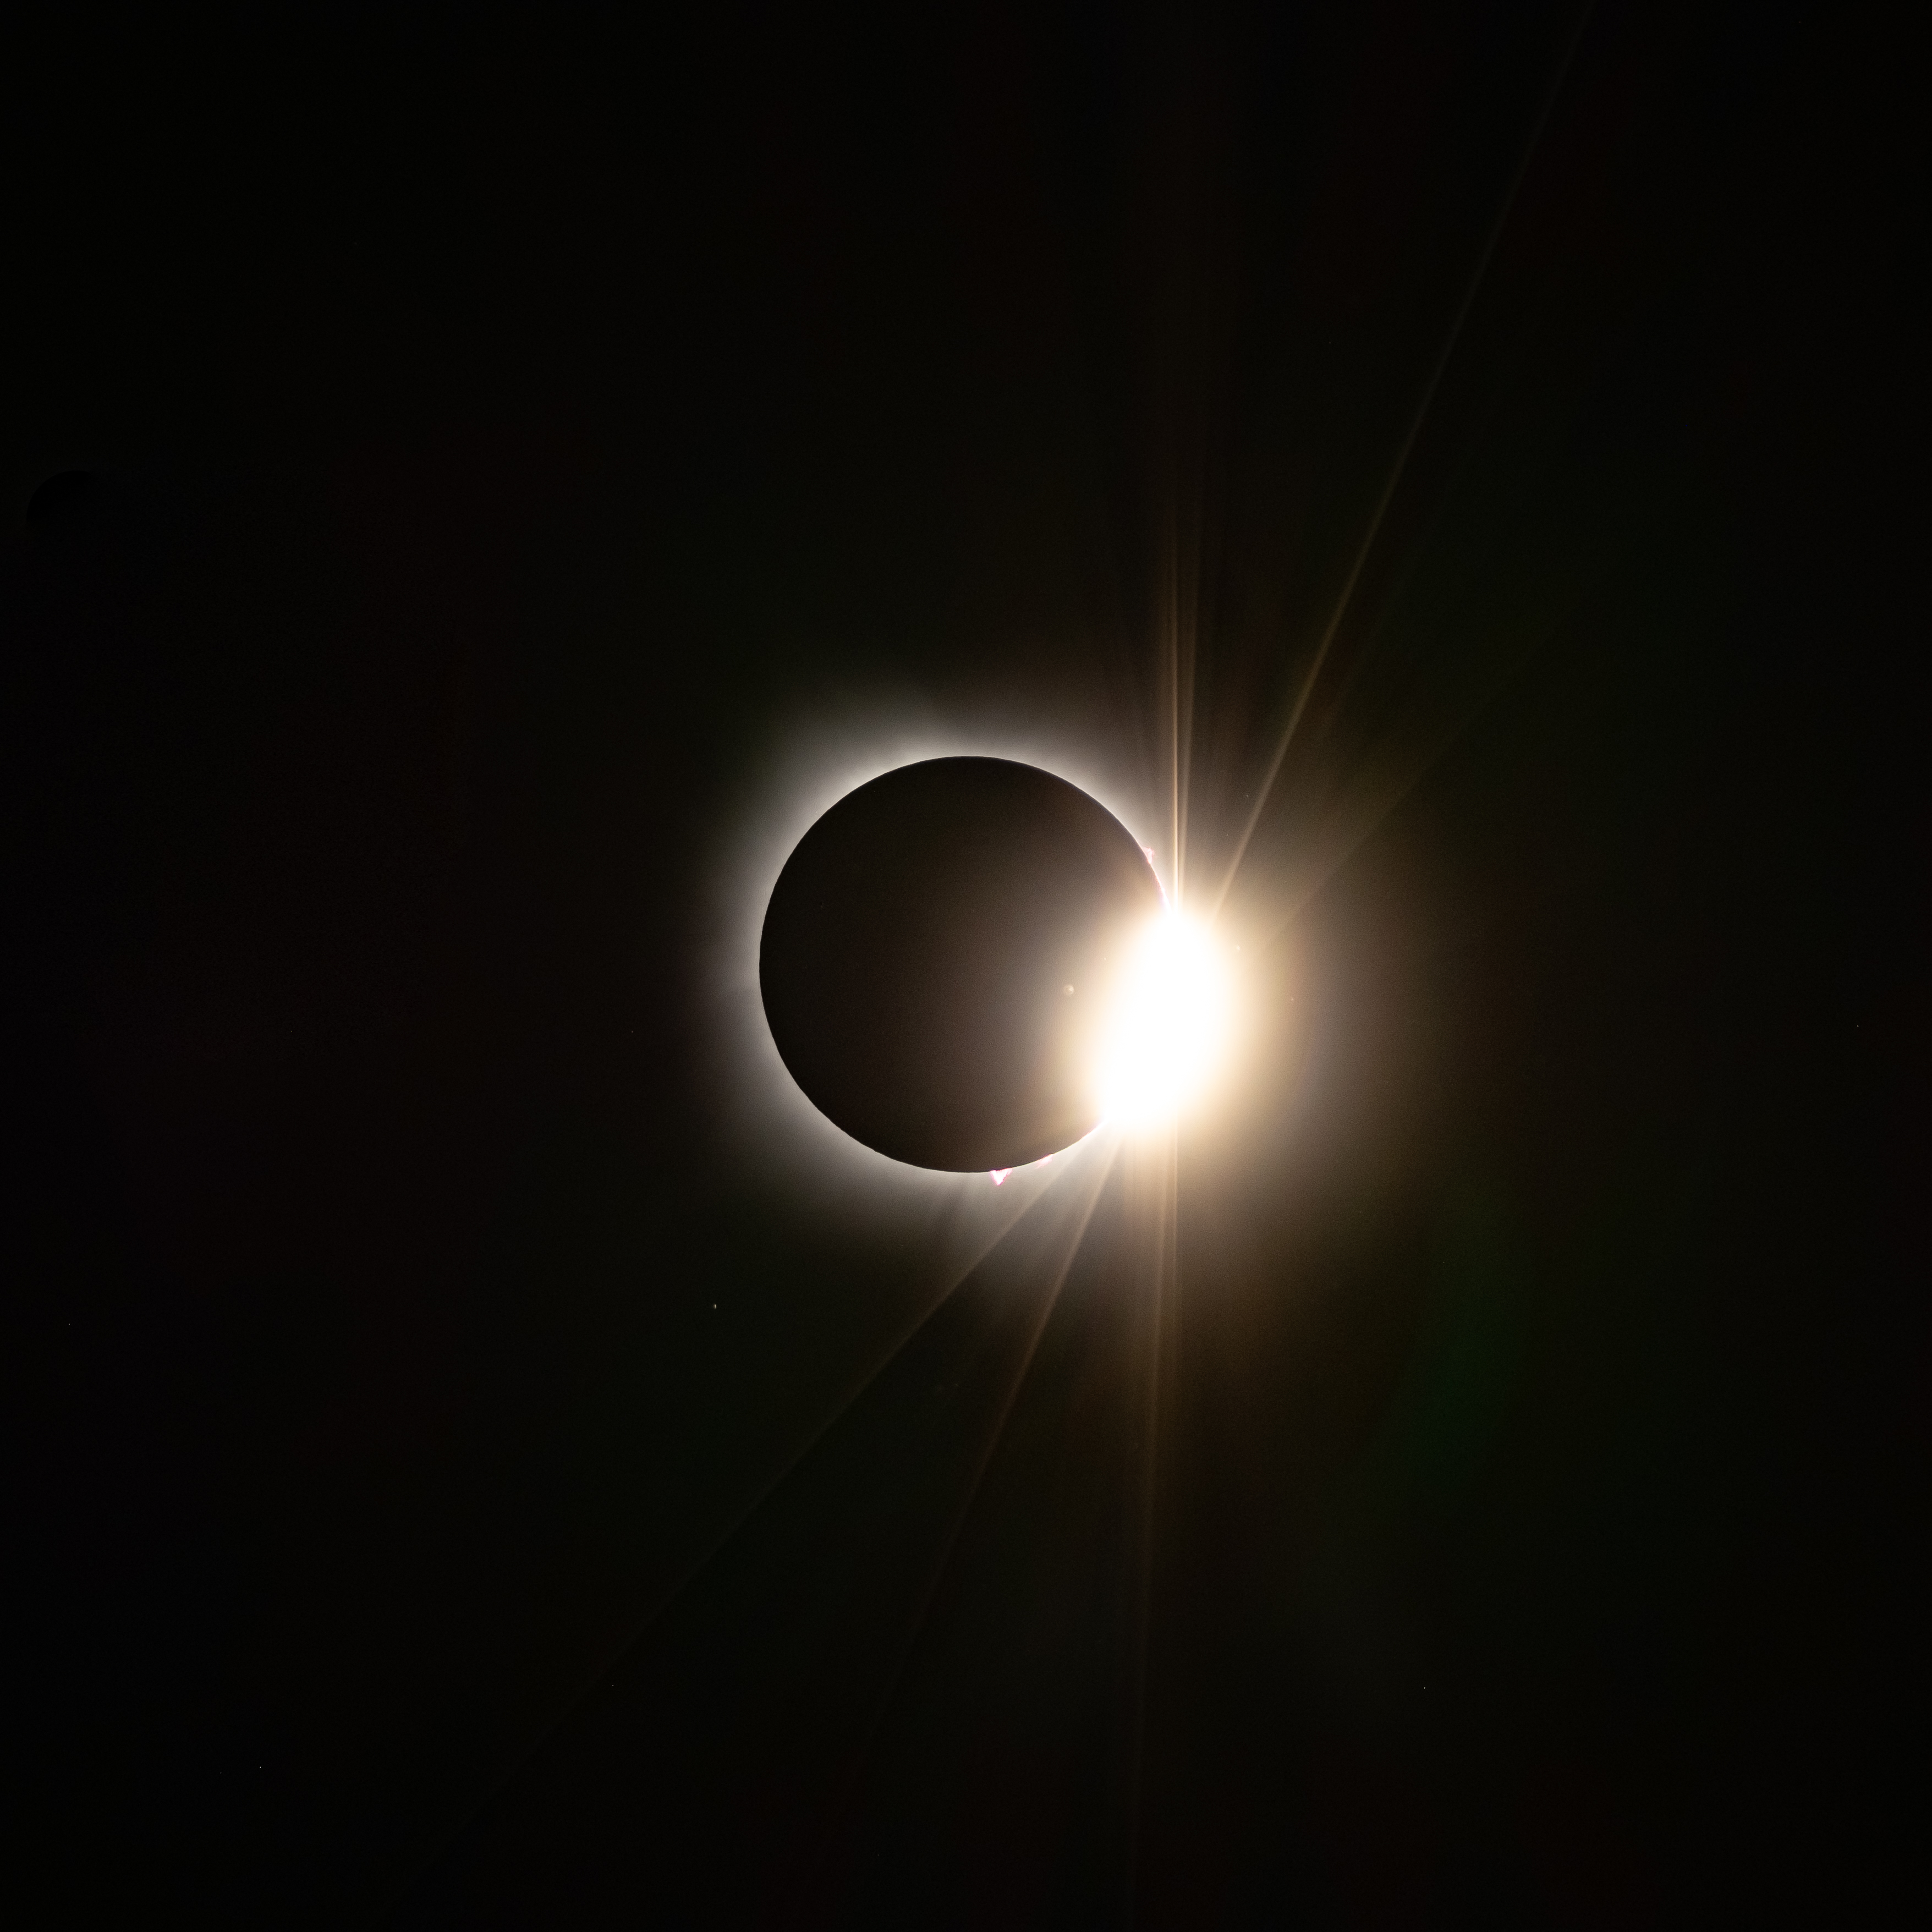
(1167, 1028)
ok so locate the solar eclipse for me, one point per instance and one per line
(967, 964)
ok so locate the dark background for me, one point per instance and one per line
(502, 433)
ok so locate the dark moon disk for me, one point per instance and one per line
(919, 950)
(64, 496)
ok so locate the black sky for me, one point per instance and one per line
(447, 1475)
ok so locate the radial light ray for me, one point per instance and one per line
(1263, 791)
(1100, 1171)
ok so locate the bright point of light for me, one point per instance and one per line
(1167, 1028)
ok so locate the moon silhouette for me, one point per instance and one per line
(937, 955)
